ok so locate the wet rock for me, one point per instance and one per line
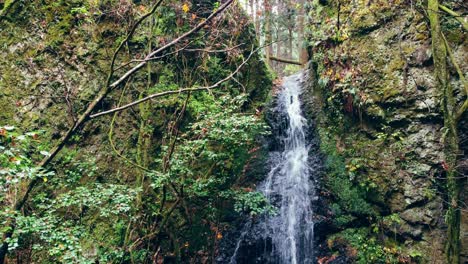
(400, 119)
(425, 141)
(428, 104)
(396, 202)
(406, 230)
(414, 191)
(419, 215)
(397, 80)
(417, 169)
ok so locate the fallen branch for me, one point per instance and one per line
(285, 61)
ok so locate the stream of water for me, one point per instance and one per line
(287, 235)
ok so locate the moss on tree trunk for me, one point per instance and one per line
(451, 137)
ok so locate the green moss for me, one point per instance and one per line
(455, 36)
(365, 247)
(350, 198)
(375, 112)
(58, 31)
(395, 64)
(6, 110)
(389, 92)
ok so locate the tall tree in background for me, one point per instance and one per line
(252, 10)
(278, 35)
(257, 15)
(300, 29)
(290, 22)
(267, 27)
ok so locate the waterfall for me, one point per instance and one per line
(287, 236)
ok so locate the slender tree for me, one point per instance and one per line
(452, 113)
(303, 57)
(268, 30)
(290, 25)
(257, 16)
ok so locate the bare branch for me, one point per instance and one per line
(459, 112)
(455, 64)
(170, 44)
(158, 57)
(129, 36)
(215, 51)
(183, 90)
(150, 59)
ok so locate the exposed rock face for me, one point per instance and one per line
(381, 115)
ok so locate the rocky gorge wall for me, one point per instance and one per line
(381, 128)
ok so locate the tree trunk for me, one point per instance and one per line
(252, 10)
(268, 36)
(291, 25)
(303, 57)
(257, 18)
(452, 249)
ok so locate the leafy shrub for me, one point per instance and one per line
(364, 247)
(350, 199)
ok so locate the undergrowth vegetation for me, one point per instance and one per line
(150, 183)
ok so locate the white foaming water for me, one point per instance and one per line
(288, 186)
(292, 229)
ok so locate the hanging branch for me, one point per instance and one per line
(170, 44)
(84, 117)
(464, 106)
(183, 90)
(455, 65)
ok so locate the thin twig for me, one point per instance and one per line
(126, 75)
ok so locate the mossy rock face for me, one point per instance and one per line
(380, 106)
(7, 106)
(56, 57)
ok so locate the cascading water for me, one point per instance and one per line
(287, 236)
